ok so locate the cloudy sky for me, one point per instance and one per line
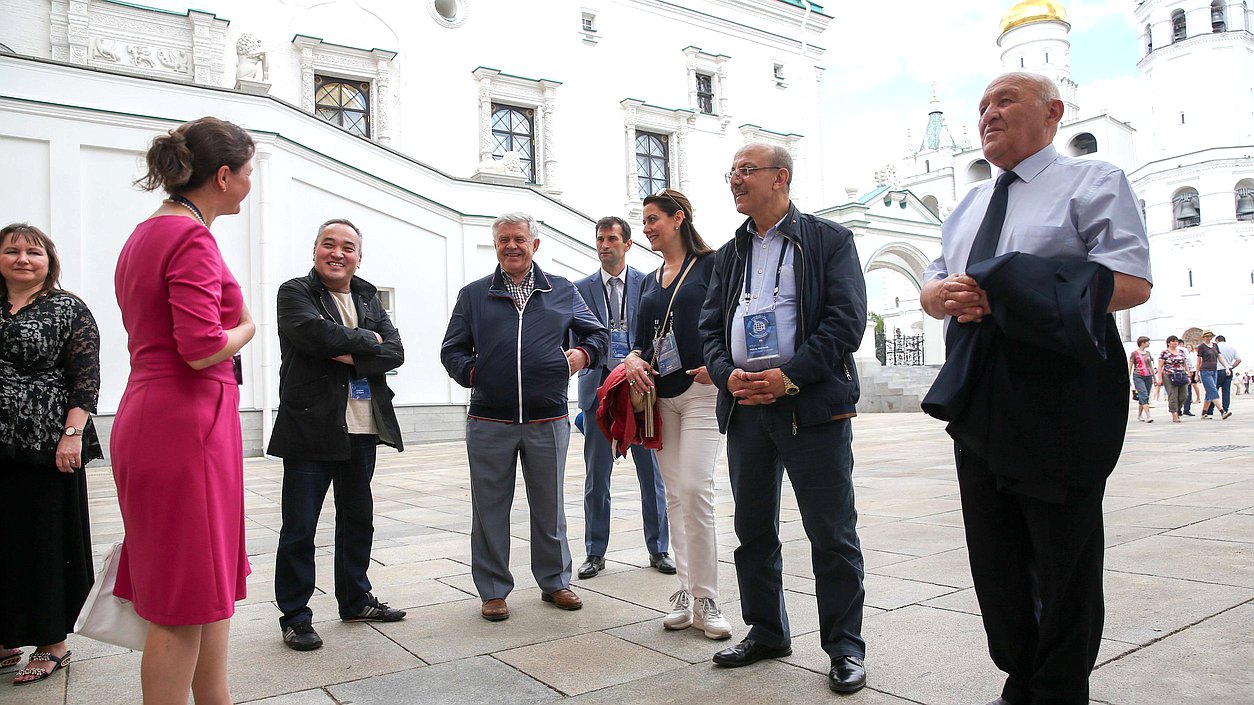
(882, 59)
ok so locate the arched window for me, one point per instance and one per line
(343, 103)
(1179, 29)
(1083, 143)
(932, 204)
(652, 168)
(1244, 194)
(1149, 39)
(979, 171)
(1218, 17)
(513, 131)
(1186, 209)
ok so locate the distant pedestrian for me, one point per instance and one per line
(1141, 366)
(1210, 363)
(1173, 375)
(1224, 377)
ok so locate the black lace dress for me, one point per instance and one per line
(49, 363)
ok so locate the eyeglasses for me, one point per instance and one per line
(744, 171)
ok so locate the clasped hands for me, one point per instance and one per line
(961, 297)
(640, 374)
(756, 388)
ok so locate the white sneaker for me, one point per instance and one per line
(709, 618)
(680, 616)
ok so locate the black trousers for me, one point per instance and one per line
(1037, 567)
(761, 446)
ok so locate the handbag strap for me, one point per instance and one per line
(666, 319)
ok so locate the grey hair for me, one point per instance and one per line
(779, 156)
(340, 221)
(1046, 89)
(517, 218)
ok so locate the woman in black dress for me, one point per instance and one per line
(49, 382)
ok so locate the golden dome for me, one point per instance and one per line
(1029, 11)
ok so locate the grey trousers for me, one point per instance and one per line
(494, 449)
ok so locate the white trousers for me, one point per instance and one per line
(690, 445)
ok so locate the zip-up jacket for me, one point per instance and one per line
(514, 362)
(313, 388)
(831, 319)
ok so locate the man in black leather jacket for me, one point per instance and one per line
(779, 337)
(336, 343)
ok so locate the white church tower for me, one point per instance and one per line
(1196, 173)
(1034, 39)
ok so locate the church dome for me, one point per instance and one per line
(1029, 11)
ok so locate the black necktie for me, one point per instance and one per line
(986, 238)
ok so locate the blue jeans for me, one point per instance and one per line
(598, 459)
(1208, 385)
(1223, 380)
(305, 484)
(761, 445)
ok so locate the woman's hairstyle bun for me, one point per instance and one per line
(190, 154)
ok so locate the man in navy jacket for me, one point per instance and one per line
(506, 341)
(613, 294)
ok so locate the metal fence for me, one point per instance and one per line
(905, 350)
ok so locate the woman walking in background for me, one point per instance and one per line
(176, 445)
(1141, 366)
(49, 384)
(1173, 375)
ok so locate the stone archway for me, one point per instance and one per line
(900, 257)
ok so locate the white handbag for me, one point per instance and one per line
(106, 617)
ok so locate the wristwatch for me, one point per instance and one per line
(71, 431)
(789, 388)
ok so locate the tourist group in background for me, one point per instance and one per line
(1207, 373)
(753, 342)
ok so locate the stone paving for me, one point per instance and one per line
(1179, 582)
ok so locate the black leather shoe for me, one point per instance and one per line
(301, 637)
(663, 563)
(1000, 701)
(374, 611)
(590, 567)
(848, 675)
(747, 652)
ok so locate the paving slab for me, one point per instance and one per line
(603, 661)
(1223, 562)
(304, 697)
(1207, 663)
(471, 681)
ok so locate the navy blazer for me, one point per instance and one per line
(590, 288)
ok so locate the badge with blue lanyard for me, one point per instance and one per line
(359, 388)
(620, 338)
(665, 348)
(761, 334)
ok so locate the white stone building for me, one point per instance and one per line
(419, 121)
(1191, 164)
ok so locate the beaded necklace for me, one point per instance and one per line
(179, 200)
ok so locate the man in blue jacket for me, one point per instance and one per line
(613, 294)
(785, 312)
(506, 341)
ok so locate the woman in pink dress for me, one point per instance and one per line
(176, 446)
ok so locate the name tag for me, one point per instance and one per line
(359, 389)
(760, 339)
(667, 355)
(618, 346)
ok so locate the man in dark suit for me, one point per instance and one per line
(613, 293)
(1044, 426)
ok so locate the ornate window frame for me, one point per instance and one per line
(714, 66)
(754, 133)
(675, 123)
(334, 60)
(537, 94)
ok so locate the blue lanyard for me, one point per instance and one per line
(779, 269)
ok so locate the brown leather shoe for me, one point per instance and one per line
(564, 599)
(495, 610)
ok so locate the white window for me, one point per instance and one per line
(779, 76)
(347, 86)
(661, 136)
(387, 299)
(707, 83)
(516, 129)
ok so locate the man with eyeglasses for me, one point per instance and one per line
(785, 312)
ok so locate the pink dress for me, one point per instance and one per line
(176, 446)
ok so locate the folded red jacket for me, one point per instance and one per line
(617, 419)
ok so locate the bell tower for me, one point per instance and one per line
(1034, 38)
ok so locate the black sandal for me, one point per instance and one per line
(41, 657)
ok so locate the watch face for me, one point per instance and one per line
(71, 431)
